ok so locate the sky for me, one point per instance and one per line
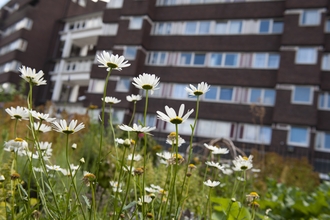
(3, 2)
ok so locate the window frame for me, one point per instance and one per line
(303, 62)
(303, 14)
(299, 144)
(241, 135)
(293, 93)
(320, 141)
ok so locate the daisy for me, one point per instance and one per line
(201, 89)
(133, 98)
(112, 61)
(172, 117)
(213, 164)
(63, 127)
(210, 147)
(18, 113)
(136, 128)
(53, 167)
(115, 186)
(211, 183)
(145, 199)
(147, 82)
(16, 145)
(30, 76)
(173, 141)
(137, 157)
(111, 100)
(242, 163)
(220, 151)
(44, 146)
(88, 178)
(41, 116)
(41, 127)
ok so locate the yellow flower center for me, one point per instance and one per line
(172, 134)
(177, 156)
(245, 158)
(147, 87)
(254, 194)
(67, 131)
(19, 140)
(176, 120)
(17, 116)
(198, 92)
(112, 65)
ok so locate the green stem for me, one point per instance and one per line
(112, 131)
(102, 123)
(119, 178)
(129, 179)
(145, 151)
(133, 114)
(190, 151)
(93, 200)
(174, 199)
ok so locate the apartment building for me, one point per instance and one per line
(267, 62)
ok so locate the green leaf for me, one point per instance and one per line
(130, 205)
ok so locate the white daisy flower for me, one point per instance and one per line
(145, 199)
(42, 116)
(30, 76)
(111, 100)
(136, 128)
(171, 139)
(201, 89)
(137, 157)
(53, 167)
(220, 151)
(227, 171)
(210, 147)
(18, 113)
(242, 163)
(2, 178)
(164, 155)
(63, 127)
(133, 98)
(41, 127)
(172, 117)
(111, 61)
(211, 183)
(115, 186)
(119, 141)
(147, 82)
(16, 145)
(213, 164)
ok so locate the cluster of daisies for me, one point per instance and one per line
(146, 82)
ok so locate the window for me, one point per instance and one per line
(215, 129)
(324, 101)
(270, 26)
(96, 86)
(235, 27)
(306, 55)
(302, 95)
(322, 141)
(157, 58)
(216, 59)
(191, 28)
(10, 66)
(123, 84)
(179, 91)
(265, 60)
(199, 59)
(255, 133)
(163, 28)
(196, 59)
(326, 62)
(151, 119)
(231, 60)
(115, 4)
(327, 26)
(118, 116)
(204, 27)
(310, 17)
(298, 136)
(130, 53)
(220, 93)
(262, 96)
(277, 27)
(185, 58)
(135, 23)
